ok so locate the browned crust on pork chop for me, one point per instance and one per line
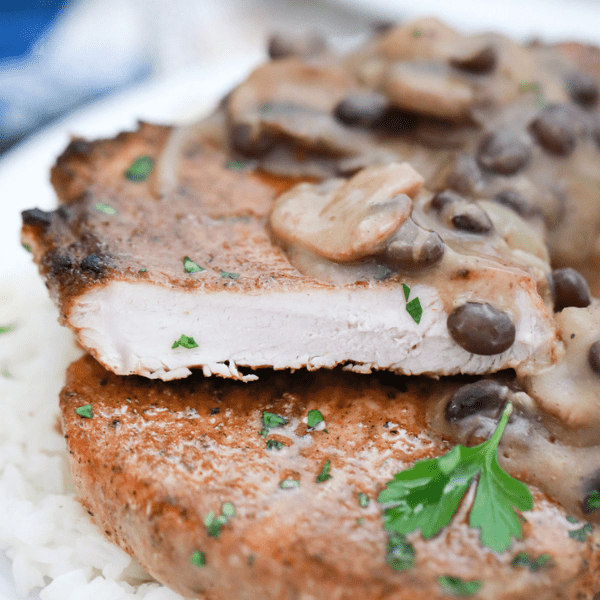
(157, 457)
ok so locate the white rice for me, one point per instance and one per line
(57, 553)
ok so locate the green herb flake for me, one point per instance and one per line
(523, 560)
(265, 108)
(5, 373)
(314, 418)
(363, 499)
(572, 519)
(143, 271)
(85, 411)
(593, 502)
(272, 420)
(406, 291)
(359, 521)
(214, 524)
(27, 247)
(140, 169)
(529, 86)
(324, 474)
(228, 510)
(413, 308)
(105, 208)
(274, 444)
(189, 266)
(6, 328)
(198, 558)
(185, 342)
(288, 484)
(227, 275)
(382, 273)
(399, 554)
(236, 165)
(581, 534)
(417, 33)
(458, 587)
(426, 496)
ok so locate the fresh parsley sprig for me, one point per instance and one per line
(427, 496)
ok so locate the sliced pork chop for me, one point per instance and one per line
(152, 461)
(156, 284)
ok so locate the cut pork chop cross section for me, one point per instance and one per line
(156, 285)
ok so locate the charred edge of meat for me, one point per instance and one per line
(36, 217)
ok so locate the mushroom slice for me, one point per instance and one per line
(347, 220)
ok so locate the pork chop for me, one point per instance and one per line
(200, 277)
(219, 503)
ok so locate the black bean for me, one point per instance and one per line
(244, 138)
(482, 61)
(475, 398)
(516, 202)
(361, 108)
(412, 248)
(554, 130)
(582, 88)
(503, 152)
(36, 218)
(465, 175)
(569, 288)
(443, 199)
(472, 219)
(594, 357)
(480, 328)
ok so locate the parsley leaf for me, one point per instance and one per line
(226, 275)
(105, 208)
(213, 523)
(572, 519)
(324, 474)
(189, 266)
(592, 502)
(406, 291)
(85, 411)
(413, 308)
(427, 496)
(399, 553)
(6, 328)
(5, 373)
(236, 165)
(523, 560)
(457, 587)
(186, 342)
(314, 418)
(288, 484)
(363, 499)
(198, 558)
(581, 534)
(274, 444)
(27, 247)
(271, 420)
(140, 169)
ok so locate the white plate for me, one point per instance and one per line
(551, 20)
(24, 171)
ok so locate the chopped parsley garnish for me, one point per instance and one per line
(85, 411)
(426, 496)
(399, 553)
(105, 208)
(383, 273)
(581, 534)
(5, 373)
(592, 502)
(189, 266)
(214, 523)
(185, 342)
(140, 169)
(227, 275)
(534, 87)
(271, 420)
(406, 291)
(324, 474)
(314, 418)
(143, 271)
(265, 108)
(27, 247)
(417, 33)
(523, 560)
(572, 519)
(6, 328)
(288, 484)
(236, 165)
(363, 499)
(360, 521)
(458, 587)
(274, 444)
(413, 308)
(198, 558)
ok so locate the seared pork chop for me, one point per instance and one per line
(154, 285)
(218, 503)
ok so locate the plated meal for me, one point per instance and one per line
(340, 336)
